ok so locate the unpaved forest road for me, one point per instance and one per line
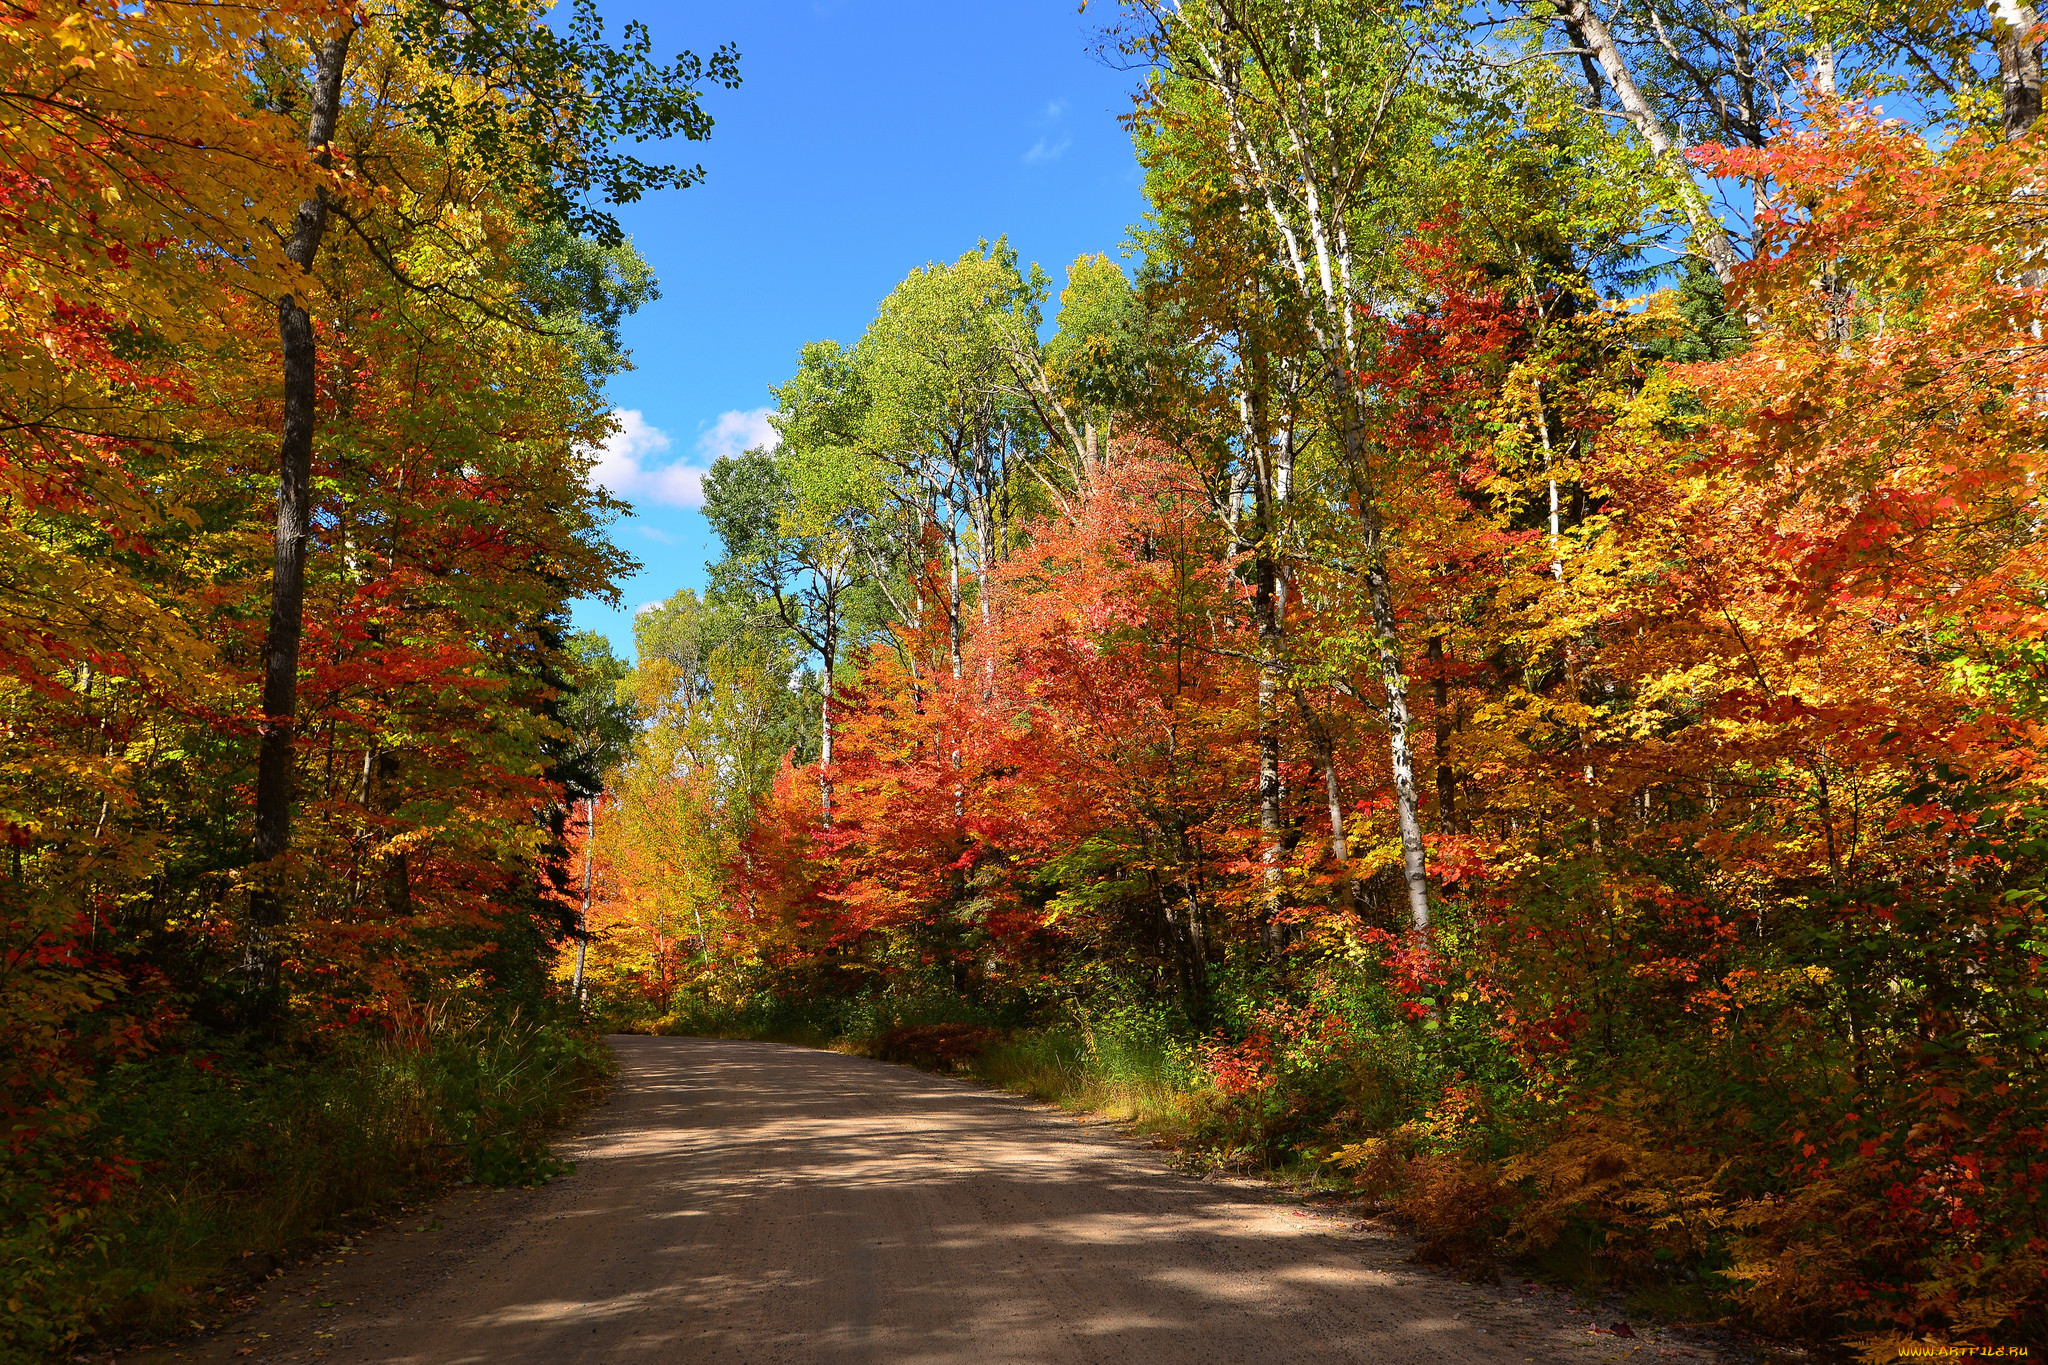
(767, 1205)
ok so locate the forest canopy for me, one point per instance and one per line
(1493, 650)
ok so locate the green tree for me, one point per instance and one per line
(792, 526)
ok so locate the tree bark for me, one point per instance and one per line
(1270, 479)
(959, 791)
(275, 752)
(1440, 713)
(1340, 846)
(1316, 250)
(1271, 817)
(2019, 64)
(397, 867)
(583, 914)
(1823, 55)
(1326, 757)
(1393, 678)
(1589, 31)
(953, 604)
(830, 652)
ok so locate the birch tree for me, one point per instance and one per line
(789, 521)
(599, 725)
(1679, 73)
(1312, 99)
(945, 428)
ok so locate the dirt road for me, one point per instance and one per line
(765, 1205)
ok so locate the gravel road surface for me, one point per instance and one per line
(766, 1205)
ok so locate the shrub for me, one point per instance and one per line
(191, 1157)
(936, 1047)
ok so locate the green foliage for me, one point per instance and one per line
(565, 99)
(193, 1158)
(598, 719)
(1098, 353)
(581, 290)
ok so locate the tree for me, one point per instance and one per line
(791, 554)
(941, 367)
(1297, 107)
(599, 724)
(528, 142)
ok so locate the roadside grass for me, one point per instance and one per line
(1130, 1080)
(1130, 1076)
(224, 1160)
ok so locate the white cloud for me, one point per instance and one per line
(630, 463)
(646, 607)
(1045, 149)
(737, 431)
(1051, 146)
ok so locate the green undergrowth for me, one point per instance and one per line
(1128, 1067)
(847, 1023)
(217, 1159)
(1134, 1080)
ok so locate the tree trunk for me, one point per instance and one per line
(1326, 756)
(397, 868)
(275, 752)
(1340, 846)
(985, 553)
(1589, 31)
(2019, 64)
(1393, 678)
(831, 651)
(583, 915)
(1413, 865)
(1823, 55)
(1316, 250)
(959, 791)
(1440, 712)
(1271, 817)
(954, 626)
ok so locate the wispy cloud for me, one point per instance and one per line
(630, 464)
(1045, 149)
(1052, 144)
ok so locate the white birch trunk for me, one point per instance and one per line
(1591, 31)
(2019, 63)
(825, 723)
(1318, 256)
(583, 914)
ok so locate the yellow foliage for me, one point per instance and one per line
(1650, 1193)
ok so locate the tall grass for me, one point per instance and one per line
(219, 1156)
(1127, 1063)
(1124, 1076)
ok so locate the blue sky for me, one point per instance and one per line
(867, 139)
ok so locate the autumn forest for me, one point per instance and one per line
(1491, 656)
